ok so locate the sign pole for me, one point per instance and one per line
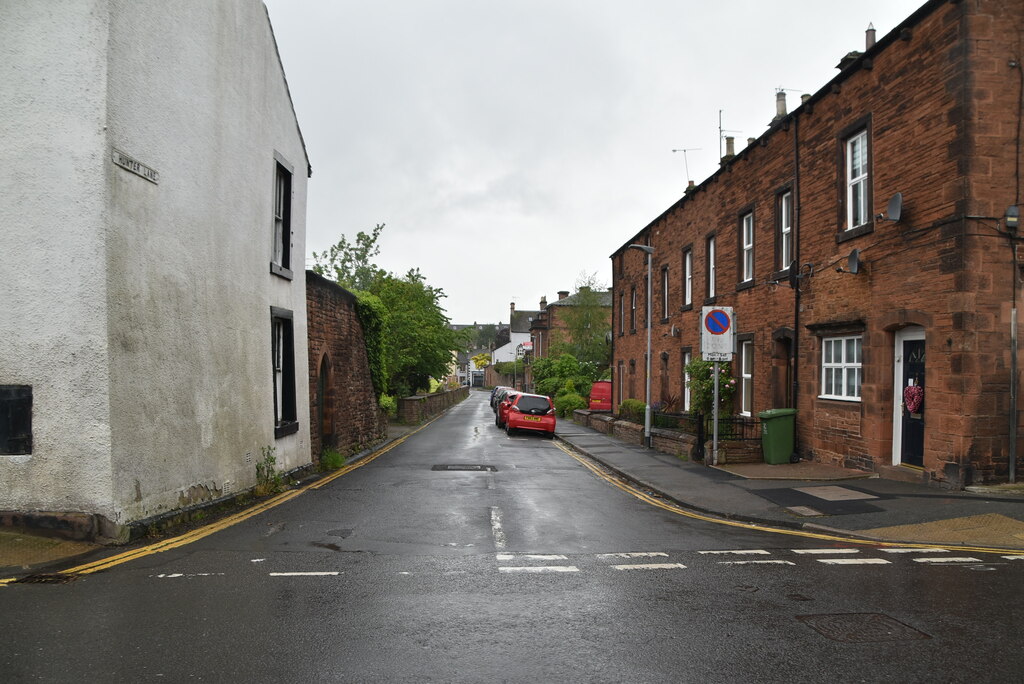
(714, 413)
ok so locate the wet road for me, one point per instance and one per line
(464, 555)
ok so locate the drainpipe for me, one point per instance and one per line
(795, 351)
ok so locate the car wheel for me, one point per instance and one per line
(509, 430)
(551, 435)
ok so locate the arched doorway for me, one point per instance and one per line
(324, 404)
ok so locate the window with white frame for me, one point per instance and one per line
(857, 180)
(746, 377)
(687, 357)
(632, 310)
(785, 213)
(664, 291)
(747, 245)
(711, 271)
(688, 277)
(841, 372)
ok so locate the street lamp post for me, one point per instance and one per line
(649, 251)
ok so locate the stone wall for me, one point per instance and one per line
(413, 410)
(346, 417)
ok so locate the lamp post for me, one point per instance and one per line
(649, 251)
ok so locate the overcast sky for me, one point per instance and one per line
(510, 147)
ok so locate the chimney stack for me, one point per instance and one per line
(562, 294)
(780, 106)
(750, 141)
(869, 37)
(543, 302)
(730, 148)
(804, 98)
(511, 312)
(690, 187)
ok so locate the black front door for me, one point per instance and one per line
(912, 427)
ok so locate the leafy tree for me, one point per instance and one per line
(486, 336)
(565, 372)
(481, 360)
(588, 323)
(349, 264)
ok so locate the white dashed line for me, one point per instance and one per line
(496, 530)
(757, 562)
(303, 574)
(825, 552)
(962, 559)
(651, 566)
(537, 569)
(854, 561)
(531, 556)
(1014, 557)
(739, 552)
(638, 554)
(908, 550)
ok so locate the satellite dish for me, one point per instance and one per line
(793, 275)
(895, 208)
(853, 262)
(675, 331)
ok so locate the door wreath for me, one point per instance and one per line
(913, 398)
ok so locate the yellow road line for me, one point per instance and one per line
(678, 510)
(224, 523)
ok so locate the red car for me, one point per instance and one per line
(533, 412)
(501, 410)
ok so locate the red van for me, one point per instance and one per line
(601, 396)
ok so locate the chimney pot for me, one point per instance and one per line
(805, 97)
(730, 149)
(562, 294)
(780, 105)
(869, 37)
(750, 141)
(544, 302)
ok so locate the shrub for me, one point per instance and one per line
(632, 410)
(331, 459)
(567, 403)
(388, 404)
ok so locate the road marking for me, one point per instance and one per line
(303, 574)
(531, 556)
(174, 575)
(757, 562)
(947, 559)
(496, 530)
(637, 554)
(854, 561)
(910, 550)
(740, 552)
(1014, 557)
(651, 566)
(825, 552)
(536, 569)
(665, 505)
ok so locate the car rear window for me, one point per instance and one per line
(530, 404)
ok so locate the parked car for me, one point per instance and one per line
(533, 412)
(495, 395)
(501, 410)
(500, 396)
(601, 396)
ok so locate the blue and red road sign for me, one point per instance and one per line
(717, 322)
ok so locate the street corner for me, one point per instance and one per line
(988, 530)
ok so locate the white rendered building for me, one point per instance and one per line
(152, 222)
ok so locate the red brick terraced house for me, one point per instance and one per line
(868, 244)
(549, 328)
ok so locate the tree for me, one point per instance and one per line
(587, 323)
(486, 336)
(349, 264)
(481, 360)
(410, 338)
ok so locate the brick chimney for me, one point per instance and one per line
(543, 302)
(511, 312)
(562, 294)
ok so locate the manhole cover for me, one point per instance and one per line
(54, 578)
(860, 628)
(465, 466)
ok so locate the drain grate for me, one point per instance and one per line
(465, 466)
(42, 578)
(862, 628)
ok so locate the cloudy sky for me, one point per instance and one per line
(511, 147)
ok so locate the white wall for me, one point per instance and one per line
(177, 272)
(53, 310)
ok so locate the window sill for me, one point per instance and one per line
(857, 232)
(745, 285)
(846, 401)
(665, 319)
(710, 301)
(281, 271)
(780, 276)
(686, 307)
(632, 331)
(285, 429)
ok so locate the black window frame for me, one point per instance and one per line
(282, 355)
(16, 420)
(281, 245)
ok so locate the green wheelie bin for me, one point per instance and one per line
(777, 427)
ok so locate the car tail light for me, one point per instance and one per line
(549, 411)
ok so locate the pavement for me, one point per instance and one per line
(816, 497)
(810, 496)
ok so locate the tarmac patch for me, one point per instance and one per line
(987, 529)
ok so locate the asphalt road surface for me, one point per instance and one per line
(463, 555)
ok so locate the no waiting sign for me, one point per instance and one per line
(718, 333)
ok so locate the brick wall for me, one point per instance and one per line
(938, 100)
(350, 419)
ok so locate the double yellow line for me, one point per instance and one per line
(224, 523)
(678, 510)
